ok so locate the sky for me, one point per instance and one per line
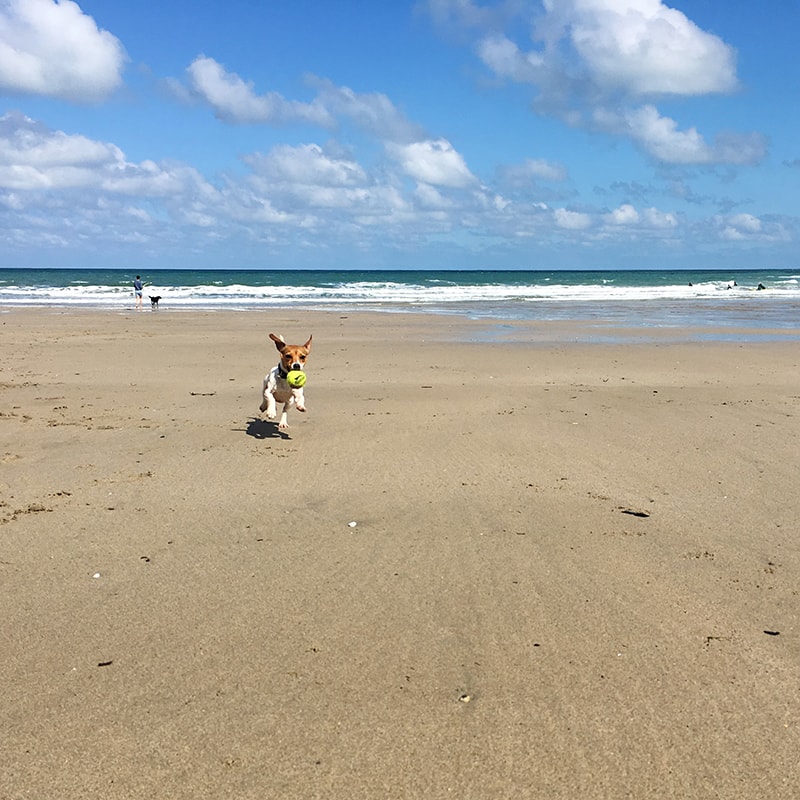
(429, 134)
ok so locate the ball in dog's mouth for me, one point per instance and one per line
(296, 378)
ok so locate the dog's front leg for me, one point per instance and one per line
(299, 399)
(283, 425)
(268, 400)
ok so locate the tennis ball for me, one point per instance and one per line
(296, 379)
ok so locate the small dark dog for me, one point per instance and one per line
(154, 300)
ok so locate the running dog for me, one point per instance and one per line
(154, 300)
(276, 389)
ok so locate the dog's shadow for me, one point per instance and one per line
(264, 429)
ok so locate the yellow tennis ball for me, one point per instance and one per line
(296, 379)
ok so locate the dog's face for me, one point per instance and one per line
(293, 356)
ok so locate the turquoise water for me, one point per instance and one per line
(444, 279)
(647, 298)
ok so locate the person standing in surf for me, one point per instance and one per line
(138, 287)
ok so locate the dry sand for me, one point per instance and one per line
(574, 572)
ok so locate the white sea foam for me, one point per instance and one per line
(369, 293)
(615, 298)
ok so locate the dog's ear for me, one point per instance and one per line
(279, 343)
(307, 345)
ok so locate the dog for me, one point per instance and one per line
(154, 300)
(276, 389)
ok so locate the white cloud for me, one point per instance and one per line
(33, 158)
(745, 222)
(306, 164)
(235, 100)
(499, 203)
(659, 219)
(571, 220)
(633, 47)
(60, 188)
(53, 49)
(596, 61)
(661, 138)
(626, 214)
(506, 60)
(430, 198)
(739, 227)
(373, 112)
(731, 233)
(378, 200)
(25, 143)
(435, 162)
(532, 170)
(659, 135)
(645, 47)
(298, 178)
(750, 229)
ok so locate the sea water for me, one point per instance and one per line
(753, 299)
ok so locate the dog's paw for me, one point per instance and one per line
(300, 407)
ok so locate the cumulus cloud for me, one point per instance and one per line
(633, 47)
(644, 47)
(53, 49)
(750, 229)
(433, 161)
(306, 195)
(429, 197)
(602, 64)
(637, 47)
(626, 214)
(306, 164)
(661, 138)
(34, 158)
(746, 223)
(236, 100)
(571, 220)
(26, 143)
(372, 112)
(303, 177)
(506, 60)
(659, 219)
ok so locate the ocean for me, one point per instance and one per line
(667, 299)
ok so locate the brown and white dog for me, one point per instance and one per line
(276, 389)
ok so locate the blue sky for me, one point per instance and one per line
(434, 134)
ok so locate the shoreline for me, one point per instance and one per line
(572, 574)
(580, 329)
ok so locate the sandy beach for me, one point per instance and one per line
(574, 571)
